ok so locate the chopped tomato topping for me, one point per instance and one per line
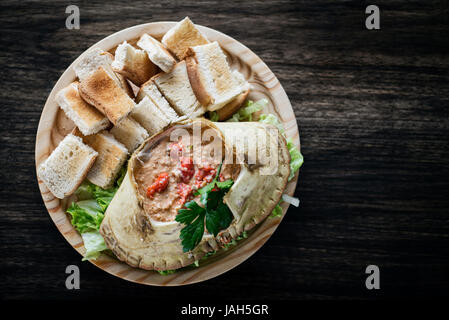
(204, 175)
(184, 192)
(187, 169)
(159, 185)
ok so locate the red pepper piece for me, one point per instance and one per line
(159, 185)
(187, 169)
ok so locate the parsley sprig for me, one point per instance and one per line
(215, 214)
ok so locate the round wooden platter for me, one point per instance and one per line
(54, 125)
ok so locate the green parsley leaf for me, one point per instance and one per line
(192, 234)
(215, 213)
(225, 185)
(186, 216)
(218, 219)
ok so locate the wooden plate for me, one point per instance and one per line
(54, 125)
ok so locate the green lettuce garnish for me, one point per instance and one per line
(213, 116)
(296, 158)
(88, 213)
(245, 113)
(94, 244)
(277, 211)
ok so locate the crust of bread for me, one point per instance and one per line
(195, 80)
(228, 110)
(133, 63)
(101, 91)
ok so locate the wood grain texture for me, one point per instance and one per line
(372, 108)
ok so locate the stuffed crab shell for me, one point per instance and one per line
(168, 171)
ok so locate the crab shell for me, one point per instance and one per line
(142, 242)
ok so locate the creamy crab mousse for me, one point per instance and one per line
(169, 172)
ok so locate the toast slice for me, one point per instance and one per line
(149, 116)
(212, 80)
(182, 36)
(157, 52)
(111, 157)
(133, 63)
(150, 90)
(96, 58)
(130, 133)
(100, 90)
(87, 118)
(67, 166)
(176, 88)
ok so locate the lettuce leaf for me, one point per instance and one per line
(88, 213)
(277, 211)
(213, 116)
(245, 113)
(84, 191)
(94, 244)
(296, 158)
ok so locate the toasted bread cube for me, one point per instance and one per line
(67, 166)
(111, 157)
(150, 90)
(86, 117)
(96, 58)
(176, 88)
(101, 91)
(182, 36)
(130, 133)
(149, 116)
(211, 78)
(133, 63)
(157, 52)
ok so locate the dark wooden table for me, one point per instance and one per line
(373, 111)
